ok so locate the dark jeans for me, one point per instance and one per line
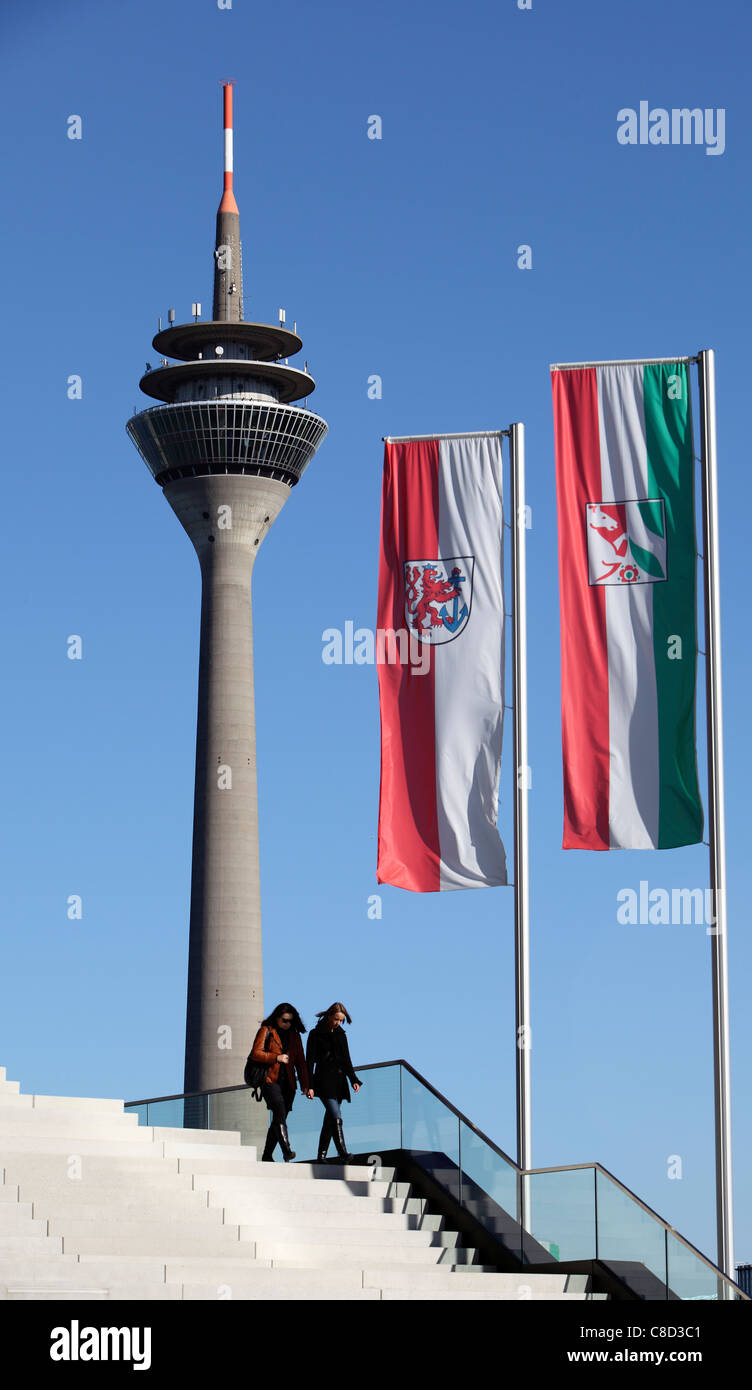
(332, 1113)
(278, 1100)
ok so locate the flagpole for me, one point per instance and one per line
(716, 819)
(522, 780)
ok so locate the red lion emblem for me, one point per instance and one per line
(434, 591)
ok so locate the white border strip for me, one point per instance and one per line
(473, 434)
(619, 362)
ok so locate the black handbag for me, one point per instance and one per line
(255, 1073)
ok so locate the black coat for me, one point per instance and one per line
(329, 1064)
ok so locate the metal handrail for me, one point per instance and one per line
(521, 1172)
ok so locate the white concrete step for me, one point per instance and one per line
(263, 1218)
(161, 1293)
(198, 1223)
(203, 1138)
(104, 1192)
(328, 1291)
(82, 1126)
(138, 1143)
(335, 1205)
(324, 1178)
(41, 1244)
(479, 1294)
(173, 1208)
(432, 1279)
(112, 1205)
(30, 1121)
(62, 1176)
(67, 1271)
(326, 1172)
(133, 1166)
(214, 1272)
(85, 1104)
(347, 1237)
(21, 1220)
(253, 1183)
(219, 1243)
(244, 1162)
(263, 1280)
(51, 1267)
(131, 1293)
(366, 1251)
(321, 1291)
(58, 1191)
(195, 1152)
(79, 1144)
(212, 1266)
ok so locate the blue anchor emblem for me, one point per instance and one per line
(458, 615)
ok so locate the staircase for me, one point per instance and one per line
(94, 1206)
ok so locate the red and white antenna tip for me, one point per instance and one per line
(228, 203)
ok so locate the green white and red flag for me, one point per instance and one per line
(627, 573)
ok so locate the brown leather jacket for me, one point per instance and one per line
(294, 1049)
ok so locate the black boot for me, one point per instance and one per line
(272, 1139)
(339, 1142)
(324, 1138)
(284, 1142)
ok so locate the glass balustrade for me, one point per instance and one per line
(491, 1188)
(431, 1132)
(629, 1235)
(542, 1217)
(559, 1206)
(689, 1277)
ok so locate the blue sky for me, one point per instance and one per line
(396, 257)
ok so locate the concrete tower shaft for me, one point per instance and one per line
(226, 518)
(227, 444)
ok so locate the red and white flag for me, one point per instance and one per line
(440, 660)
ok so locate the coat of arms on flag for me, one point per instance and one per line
(438, 597)
(626, 542)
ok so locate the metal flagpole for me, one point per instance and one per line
(522, 781)
(716, 819)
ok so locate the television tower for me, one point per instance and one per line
(226, 445)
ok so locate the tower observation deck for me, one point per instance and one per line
(226, 444)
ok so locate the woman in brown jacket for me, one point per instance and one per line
(278, 1043)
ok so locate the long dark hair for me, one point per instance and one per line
(334, 1009)
(297, 1023)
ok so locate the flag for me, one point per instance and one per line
(627, 574)
(440, 661)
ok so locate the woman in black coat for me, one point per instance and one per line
(330, 1067)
